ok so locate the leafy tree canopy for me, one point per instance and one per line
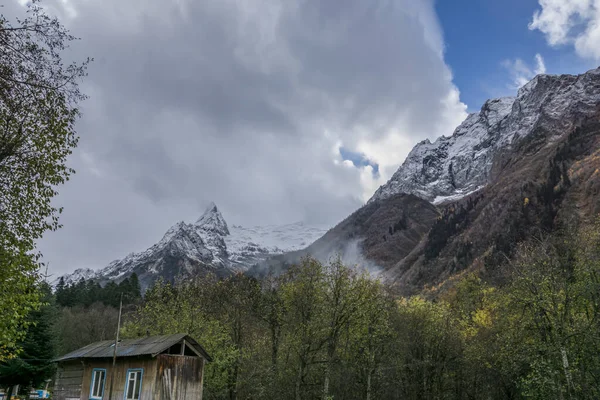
(38, 108)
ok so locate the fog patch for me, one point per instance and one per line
(352, 255)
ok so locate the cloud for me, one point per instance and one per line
(245, 103)
(521, 72)
(570, 22)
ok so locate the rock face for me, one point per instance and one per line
(541, 175)
(452, 167)
(205, 246)
(375, 237)
(549, 180)
(519, 167)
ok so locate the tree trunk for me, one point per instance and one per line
(369, 373)
(274, 357)
(565, 363)
(331, 347)
(299, 381)
(274, 347)
(233, 378)
(326, 381)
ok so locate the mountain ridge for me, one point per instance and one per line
(459, 164)
(205, 246)
(454, 204)
(502, 177)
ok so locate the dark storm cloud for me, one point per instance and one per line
(246, 103)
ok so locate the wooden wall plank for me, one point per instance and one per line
(185, 377)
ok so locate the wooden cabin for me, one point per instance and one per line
(166, 367)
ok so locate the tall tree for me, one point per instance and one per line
(345, 296)
(38, 109)
(304, 299)
(34, 364)
(135, 292)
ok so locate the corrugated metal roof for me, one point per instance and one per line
(151, 345)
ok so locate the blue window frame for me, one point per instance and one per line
(133, 384)
(98, 382)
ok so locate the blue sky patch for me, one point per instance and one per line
(481, 36)
(359, 160)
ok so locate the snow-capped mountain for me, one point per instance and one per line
(453, 167)
(533, 164)
(77, 275)
(207, 245)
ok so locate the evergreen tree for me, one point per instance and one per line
(34, 364)
(135, 291)
(60, 292)
(110, 294)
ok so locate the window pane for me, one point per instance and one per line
(130, 386)
(138, 381)
(98, 378)
(134, 385)
(95, 387)
(101, 383)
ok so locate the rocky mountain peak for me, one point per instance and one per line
(172, 232)
(212, 221)
(495, 110)
(77, 275)
(188, 249)
(452, 167)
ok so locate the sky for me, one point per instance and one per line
(279, 110)
(491, 49)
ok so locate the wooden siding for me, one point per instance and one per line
(148, 365)
(68, 382)
(184, 373)
(179, 377)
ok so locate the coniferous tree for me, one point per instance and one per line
(60, 292)
(34, 364)
(134, 293)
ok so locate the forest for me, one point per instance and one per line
(331, 331)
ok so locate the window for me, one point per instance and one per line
(97, 386)
(133, 387)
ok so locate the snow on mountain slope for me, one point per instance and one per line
(247, 246)
(207, 244)
(212, 228)
(77, 275)
(451, 167)
(180, 240)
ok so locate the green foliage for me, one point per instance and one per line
(38, 98)
(79, 326)
(284, 337)
(33, 366)
(85, 293)
(18, 279)
(330, 331)
(194, 308)
(555, 290)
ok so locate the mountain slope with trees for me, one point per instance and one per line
(331, 331)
